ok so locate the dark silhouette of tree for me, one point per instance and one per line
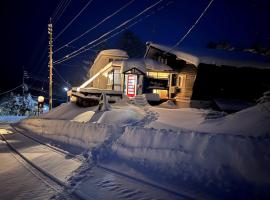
(132, 44)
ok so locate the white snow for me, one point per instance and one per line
(168, 104)
(143, 65)
(67, 111)
(11, 118)
(120, 117)
(84, 117)
(172, 146)
(216, 57)
(194, 156)
(85, 135)
(253, 121)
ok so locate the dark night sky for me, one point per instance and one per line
(24, 31)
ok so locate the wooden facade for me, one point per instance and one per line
(182, 80)
(104, 58)
(244, 79)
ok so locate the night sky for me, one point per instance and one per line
(24, 37)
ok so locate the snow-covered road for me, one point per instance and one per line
(19, 180)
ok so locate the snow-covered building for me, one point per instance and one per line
(207, 74)
(115, 74)
(103, 58)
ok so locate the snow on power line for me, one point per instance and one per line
(117, 33)
(69, 24)
(191, 28)
(59, 12)
(107, 33)
(95, 26)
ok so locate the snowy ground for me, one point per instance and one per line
(201, 154)
(11, 118)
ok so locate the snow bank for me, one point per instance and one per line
(66, 111)
(85, 135)
(206, 159)
(120, 117)
(253, 121)
(11, 118)
(168, 104)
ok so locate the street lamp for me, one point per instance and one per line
(40, 103)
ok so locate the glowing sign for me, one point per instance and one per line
(131, 85)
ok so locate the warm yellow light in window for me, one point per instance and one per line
(163, 94)
(158, 75)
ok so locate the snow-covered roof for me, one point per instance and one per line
(143, 65)
(112, 52)
(217, 57)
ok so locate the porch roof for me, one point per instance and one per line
(143, 65)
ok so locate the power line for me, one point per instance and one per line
(131, 25)
(115, 34)
(191, 28)
(97, 25)
(68, 25)
(11, 89)
(59, 75)
(45, 92)
(64, 7)
(104, 35)
(57, 9)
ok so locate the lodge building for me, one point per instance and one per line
(181, 74)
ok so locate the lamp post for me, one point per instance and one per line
(40, 103)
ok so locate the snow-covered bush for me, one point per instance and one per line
(264, 98)
(18, 105)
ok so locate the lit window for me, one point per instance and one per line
(158, 75)
(163, 94)
(110, 78)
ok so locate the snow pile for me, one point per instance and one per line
(67, 111)
(85, 135)
(168, 104)
(265, 97)
(84, 117)
(253, 121)
(11, 118)
(219, 160)
(120, 117)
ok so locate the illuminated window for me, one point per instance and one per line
(163, 94)
(110, 78)
(158, 75)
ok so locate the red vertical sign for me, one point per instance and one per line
(131, 85)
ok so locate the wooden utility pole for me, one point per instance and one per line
(50, 32)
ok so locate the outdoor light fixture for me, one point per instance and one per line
(40, 103)
(65, 89)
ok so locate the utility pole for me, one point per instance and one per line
(23, 82)
(25, 76)
(50, 32)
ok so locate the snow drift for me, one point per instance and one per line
(220, 161)
(85, 135)
(253, 121)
